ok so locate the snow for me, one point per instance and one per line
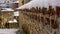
(16, 13)
(14, 21)
(41, 3)
(8, 31)
(7, 9)
(16, 2)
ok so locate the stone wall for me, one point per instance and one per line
(8, 14)
(40, 21)
(28, 25)
(5, 17)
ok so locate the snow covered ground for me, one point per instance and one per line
(8, 31)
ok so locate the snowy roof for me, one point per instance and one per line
(14, 21)
(40, 3)
(7, 9)
(16, 2)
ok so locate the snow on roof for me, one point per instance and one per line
(40, 3)
(8, 9)
(14, 21)
(16, 2)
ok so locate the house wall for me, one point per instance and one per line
(23, 1)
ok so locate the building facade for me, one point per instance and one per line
(22, 2)
(6, 3)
